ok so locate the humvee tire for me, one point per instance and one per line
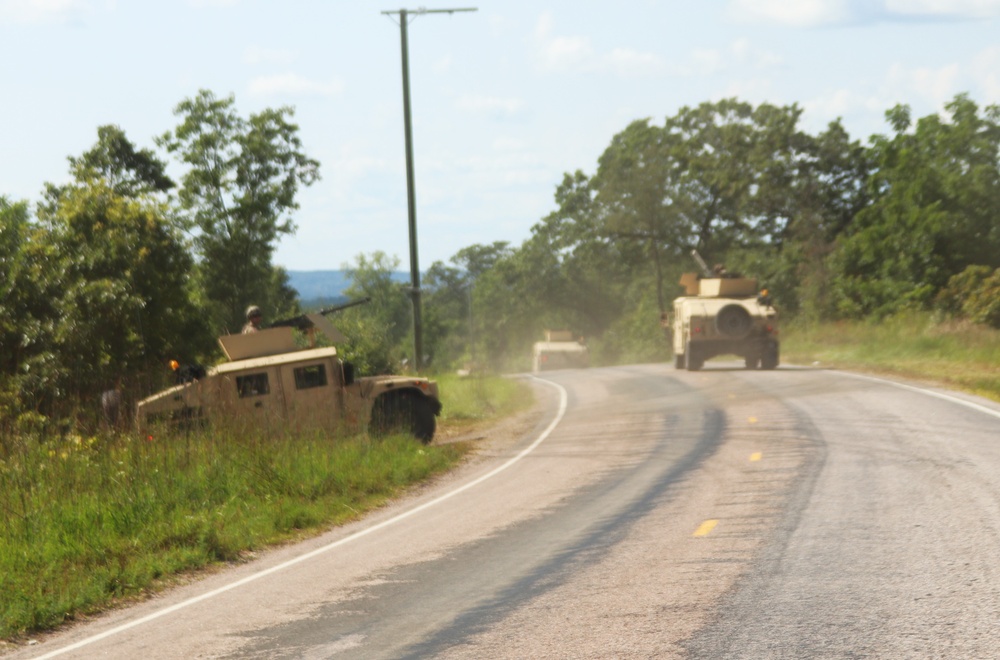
(769, 360)
(404, 412)
(692, 360)
(733, 321)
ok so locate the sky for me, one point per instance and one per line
(505, 99)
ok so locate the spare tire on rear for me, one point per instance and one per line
(733, 321)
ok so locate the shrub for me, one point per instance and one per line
(973, 294)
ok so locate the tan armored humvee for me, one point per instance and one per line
(270, 382)
(559, 351)
(722, 316)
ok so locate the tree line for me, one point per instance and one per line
(123, 268)
(834, 228)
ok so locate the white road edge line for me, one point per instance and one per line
(326, 548)
(921, 390)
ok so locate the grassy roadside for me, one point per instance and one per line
(86, 523)
(956, 354)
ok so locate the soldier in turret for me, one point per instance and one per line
(254, 319)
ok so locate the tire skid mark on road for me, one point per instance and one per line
(652, 585)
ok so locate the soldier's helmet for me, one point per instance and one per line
(253, 310)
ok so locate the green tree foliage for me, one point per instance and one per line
(447, 319)
(377, 333)
(129, 172)
(973, 294)
(19, 299)
(935, 190)
(114, 271)
(100, 284)
(450, 323)
(240, 188)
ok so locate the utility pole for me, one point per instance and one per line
(411, 199)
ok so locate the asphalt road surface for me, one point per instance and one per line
(640, 512)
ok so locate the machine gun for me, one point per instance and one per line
(705, 270)
(309, 323)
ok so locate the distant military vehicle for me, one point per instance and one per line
(271, 381)
(559, 351)
(722, 315)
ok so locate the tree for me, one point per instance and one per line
(376, 332)
(116, 270)
(128, 171)
(447, 314)
(935, 190)
(634, 199)
(19, 299)
(240, 188)
(102, 279)
(450, 323)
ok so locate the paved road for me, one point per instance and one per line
(641, 512)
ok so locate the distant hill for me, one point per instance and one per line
(326, 287)
(316, 284)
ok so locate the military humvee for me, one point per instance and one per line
(722, 315)
(559, 351)
(270, 381)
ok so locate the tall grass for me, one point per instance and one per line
(914, 345)
(469, 400)
(87, 521)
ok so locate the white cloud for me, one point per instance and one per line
(568, 54)
(294, 84)
(707, 61)
(509, 144)
(213, 3)
(258, 55)
(42, 11)
(442, 65)
(491, 104)
(819, 13)
(945, 8)
(937, 85)
(819, 112)
(576, 54)
(628, 62)
(746, 53)
(986, 71)
(740, 53)
(795, 13)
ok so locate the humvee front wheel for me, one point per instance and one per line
(404, 412)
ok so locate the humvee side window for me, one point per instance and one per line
(252, 385)
(312, 376)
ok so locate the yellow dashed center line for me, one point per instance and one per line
(756, 456)
(705, 528)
